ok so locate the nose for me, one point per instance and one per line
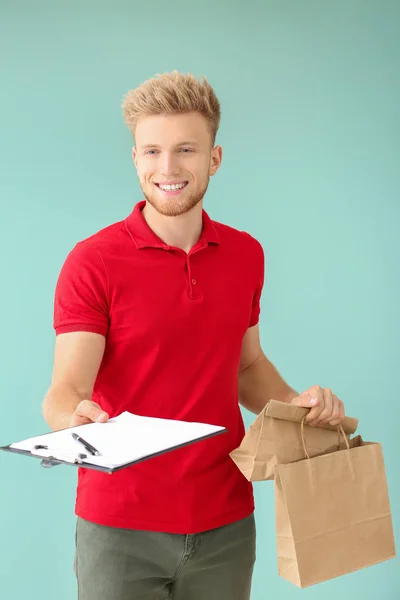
(168, 164)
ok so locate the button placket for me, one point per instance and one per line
(189, 276)
(192, 282)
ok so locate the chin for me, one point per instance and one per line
(173, 207)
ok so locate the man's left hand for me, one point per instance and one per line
(325, 406)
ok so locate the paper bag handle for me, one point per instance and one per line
(340, 431)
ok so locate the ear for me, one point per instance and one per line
(216, 159)
(134, 155)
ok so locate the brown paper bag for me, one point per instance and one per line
(274, 438)
(332, 513)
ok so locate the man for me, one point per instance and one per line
(158, 315)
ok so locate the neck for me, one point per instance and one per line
(182, 231)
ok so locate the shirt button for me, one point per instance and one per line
(194, 281)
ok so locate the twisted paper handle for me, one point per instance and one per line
(340, 431)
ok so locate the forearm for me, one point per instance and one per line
(261, 382)
(60, 404)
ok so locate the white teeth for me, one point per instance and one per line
(172, 188)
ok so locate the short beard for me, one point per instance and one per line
(175, 207)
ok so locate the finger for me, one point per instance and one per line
(342, 413)
(326, 414)
(313, 415)
(78, 420)
(92, 411)
(335, 416)
(312, 398)
(338, 414)
(305, 400)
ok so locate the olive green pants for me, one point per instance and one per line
(124, 564)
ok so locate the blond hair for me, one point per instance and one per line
(172, 93)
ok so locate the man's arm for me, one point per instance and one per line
(77, 360)
(259, 380)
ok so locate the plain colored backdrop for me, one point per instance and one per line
(310, 94)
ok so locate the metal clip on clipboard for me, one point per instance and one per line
(49, 460)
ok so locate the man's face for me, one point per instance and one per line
(175, 151)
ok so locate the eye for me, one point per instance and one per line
(151, 152)
(186, 150)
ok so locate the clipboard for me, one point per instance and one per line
(157, 436)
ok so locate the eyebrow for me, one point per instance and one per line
(186, 143)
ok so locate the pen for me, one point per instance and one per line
(86, 444)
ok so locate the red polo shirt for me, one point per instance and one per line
(174, 324)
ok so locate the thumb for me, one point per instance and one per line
(101, 417)
(93, 411)
(306, 401)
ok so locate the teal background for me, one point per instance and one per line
(310, 97)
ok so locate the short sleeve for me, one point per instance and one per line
(259, 262)
(81, 295)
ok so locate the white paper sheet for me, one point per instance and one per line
(120, 440)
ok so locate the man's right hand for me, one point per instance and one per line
(88, 412)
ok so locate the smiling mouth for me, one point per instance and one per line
(173, 187)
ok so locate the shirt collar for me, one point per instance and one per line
(144, 237)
